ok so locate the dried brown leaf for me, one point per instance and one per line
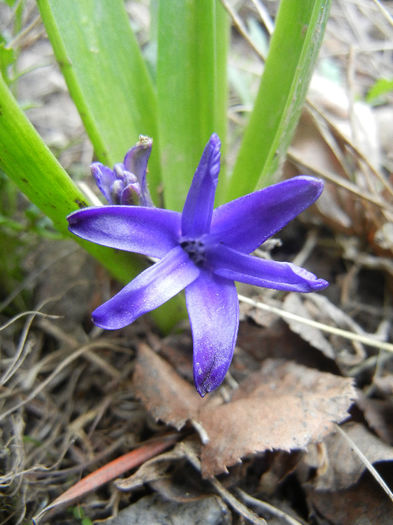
(164, 393)
(111, 470)
(362, 504)
(318, 307)
(379, 415)
(343, 467)
(283, 406)
(312, 335)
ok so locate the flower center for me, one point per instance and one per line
(195, 249)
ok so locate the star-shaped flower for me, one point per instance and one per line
(202, 250)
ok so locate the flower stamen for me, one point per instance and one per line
(195, 248)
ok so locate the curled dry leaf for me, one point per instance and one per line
(283, 406)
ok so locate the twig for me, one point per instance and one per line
(19, 37)
(365, 339)
(274, 511)
(237, 505)
(366, 463)
(24, 347)
(37, 313)
(353, 147)
(69, 340)
(384, 11)
(237, 22)
(264, 15)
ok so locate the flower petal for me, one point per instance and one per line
(150, 231)
(213, 308)
(147, 291)
(238, 266)
(198, 208)
(135, 161)
(104, 178)
(245, 223)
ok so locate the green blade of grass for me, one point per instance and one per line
(105, 74)
(191, 87)
(292, 54)
(28, 162)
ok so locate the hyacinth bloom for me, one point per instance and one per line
(202, 250)
(126, 183)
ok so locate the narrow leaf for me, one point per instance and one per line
(191, 86)
(293, 51)
(110, 471)
(106, 75)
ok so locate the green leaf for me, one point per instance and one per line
(28, 162)
(191, 87)
(106, 75)
(381, 87)
(292, 55)
(7, 57)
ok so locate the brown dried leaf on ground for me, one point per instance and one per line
(363, 504)
(163, 392)
(283, 406)
(342, 468)
(324, 147)
(319, 308)
(379, 415)
(293, 303)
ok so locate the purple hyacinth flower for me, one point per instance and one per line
(203, 250)
(126, 183)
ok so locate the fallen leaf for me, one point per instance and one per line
(110, 471)
(352, 167)
(164, 393)
(363, 504)
(279, 465)
(342, 467)
(283, 406)
(379, 415)
(319, 308)
(312, 335)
